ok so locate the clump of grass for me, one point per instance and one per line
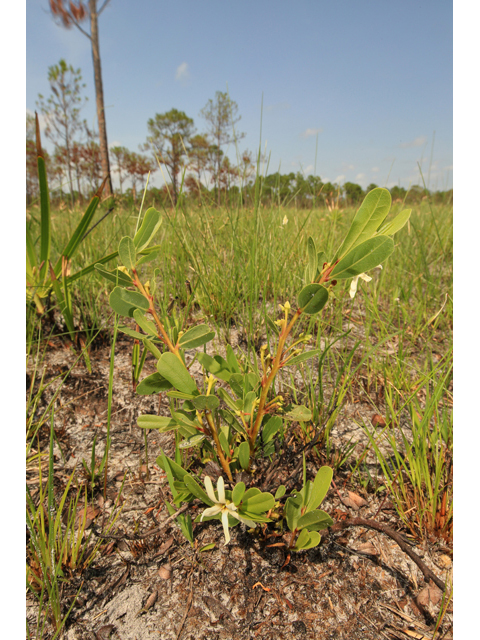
(418, 475)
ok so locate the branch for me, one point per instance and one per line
(373, 524)
(102, 7)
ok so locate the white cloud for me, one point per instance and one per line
(182, 73)
(417, 142)
(349, 167)
(339, 179)
(308, 170)
(360, 176)
(449, 168)
(375, 169)
(310, 132)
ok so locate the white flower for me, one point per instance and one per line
(223, 506)
(285, 220)
(353, 286)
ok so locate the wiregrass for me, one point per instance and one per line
(241, 263)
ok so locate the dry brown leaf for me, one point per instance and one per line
(165, 571)
(430, 594)
(446, 561)
(367, 547)
(354, 501)
(378, 420)
(165, 546)
(152, 598)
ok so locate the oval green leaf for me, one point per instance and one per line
(196, 337)
(390, 228)
(149, 227)
(162, 423)
(238, 493)
(125, 302)
(312, 298)
(259, 503)
(244, 456)
(170, 367)
(205, 402)
(372, 212)
(321, 485)
(364, 257)
(314, 520)
(154, 383)
(127, 253)
(116, 276)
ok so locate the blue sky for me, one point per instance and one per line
(372, 78)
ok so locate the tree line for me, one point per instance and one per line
(194, 165)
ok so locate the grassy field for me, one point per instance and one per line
(241, 264)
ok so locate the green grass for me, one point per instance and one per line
(241, 263)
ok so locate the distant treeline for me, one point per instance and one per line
(194, 165)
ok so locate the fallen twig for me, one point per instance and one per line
(373, 524)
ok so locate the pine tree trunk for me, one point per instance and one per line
(102, 129)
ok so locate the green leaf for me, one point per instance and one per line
(205, 402)
(280, 492)
(176, 469)
(321, 259)
(196, 490)
(321, 485)
(152, 348)
(259, 503)
(131, 332)
(244, 455)
(149, 227)
(148, 326)
(171, 368)
(45, 224)
(237, 384)
(196, 337)
(307, 540)
(299, 413)
(154, 383)
(180, 394)
(306, 355)
(238, 493)
(227, 399)
(253, 491)
(232, 360)
(81, 229)
(363, 257)
(185, 420)
(127, 253)
(312, 298)
(116, 276)
(162, 423)
(312, 260)
(148, 257)
(194, 441)
(390, 228)
(372, 212)
(207, 547)
(217, 366)
(273, 426)
(248, 402)
(125, 302)
(293, 508)
(314, 520)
